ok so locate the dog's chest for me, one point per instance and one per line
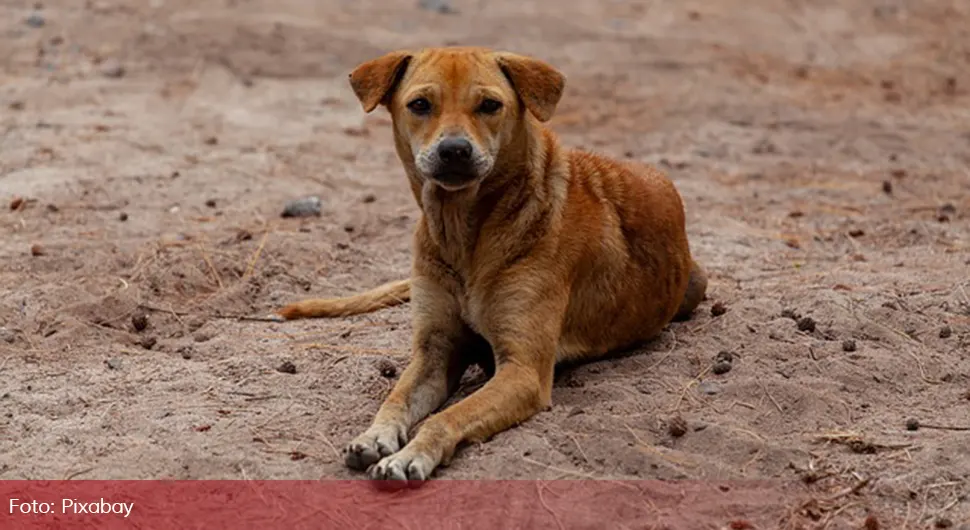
(471, 312)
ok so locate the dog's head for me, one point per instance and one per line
(456, 110)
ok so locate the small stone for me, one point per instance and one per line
(440, 6)
(764, 147)
(122, 217)
(806, 324)
(35, 20)
(112, 68)
(148, 342)
(211, 203)
(37, 250)
(186, 352)
(709, 387)
(912, 424)
(212, 140)
(139, 321)
(17, 203)
(387, 368)
(945, 332)
(856, 232)
(677, 426)
(369, 198)
(287, 368)
(887, 187)
(848, 345)
(724, 356)
(790, 313)
(305, 207)
(114, 363)
(718, 309)
(721, 368)
(943, 522)
(7, 335)
(948, 209)
(203, 336)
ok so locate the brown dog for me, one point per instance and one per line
(526, 253)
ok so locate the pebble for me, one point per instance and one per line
(848, 345)
(721, 368)
(37, 250)
(912, 424)
(148, 343)
(806, 324)
(112, 68)
(718, 309)
(387, 368)
(287, 368)
(139, 321)
(945, 332)
(7, 335)
(709, 387)
(36, 20)
(440, 6)
(114, 363)
(677, 426)
(305, 207)
(122, 217)
(186, 352)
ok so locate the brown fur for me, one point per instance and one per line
(554, 255)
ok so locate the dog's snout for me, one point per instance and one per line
(455, 150)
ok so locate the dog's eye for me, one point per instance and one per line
(489, 106)
(420, 106)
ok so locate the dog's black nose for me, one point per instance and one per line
(455, 150)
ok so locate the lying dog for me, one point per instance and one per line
(526, 253)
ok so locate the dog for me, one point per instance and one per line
(527, 254)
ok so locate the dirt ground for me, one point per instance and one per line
(822, 149)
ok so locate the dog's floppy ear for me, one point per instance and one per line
(374, 81)
(538, 84)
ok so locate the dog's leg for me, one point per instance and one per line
(525, 338)
(437, 364)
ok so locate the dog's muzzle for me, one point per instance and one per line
(456, 162)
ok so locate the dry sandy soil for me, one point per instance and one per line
(822, 149)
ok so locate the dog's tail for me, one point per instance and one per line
(387, 295)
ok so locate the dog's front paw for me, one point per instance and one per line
(377, 442)
(407, 467)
